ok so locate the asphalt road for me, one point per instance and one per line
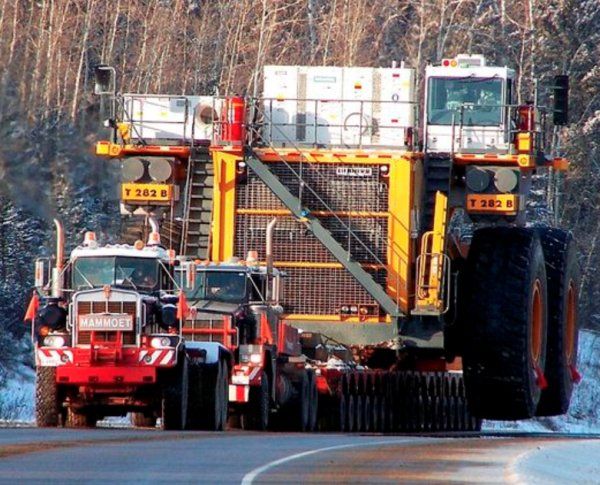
(148, 456)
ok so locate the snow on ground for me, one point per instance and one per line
(17, 398)
(584, 412)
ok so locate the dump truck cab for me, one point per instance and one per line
(467, 106)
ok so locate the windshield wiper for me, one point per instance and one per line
(127, 278)
(83, 276)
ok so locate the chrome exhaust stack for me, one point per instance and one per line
(269, 251)
(57, 276)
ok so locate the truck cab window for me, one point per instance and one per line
(477, 101)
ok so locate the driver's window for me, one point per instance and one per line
(165, 281)
(258, 288)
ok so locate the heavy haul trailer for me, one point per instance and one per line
(109, 338)
(367, 233)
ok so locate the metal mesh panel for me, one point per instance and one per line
(318, 291)
(87, 307)
(341, 187)
(292, 241)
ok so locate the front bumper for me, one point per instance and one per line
(105, 375)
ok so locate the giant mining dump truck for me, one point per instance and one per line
(424, 294)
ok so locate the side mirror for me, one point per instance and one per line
(561, 100)
(105, 78)
(190, 275)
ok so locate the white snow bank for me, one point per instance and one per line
(584, 412)
(17, 396)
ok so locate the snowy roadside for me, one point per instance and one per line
(584, 412)
(17, 399)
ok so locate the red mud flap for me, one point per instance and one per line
(105, 375)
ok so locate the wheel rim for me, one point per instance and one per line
(571, 319)
(537, 317)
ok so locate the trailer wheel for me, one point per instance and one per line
(194, 411)
(143, 420)
(313, 401)
(175, 398)
(339, 415)
(47, 402)
(368, 414)
(301, 408)
(256, 416)
(359, 412)
(77, 418)
(563, 288)
(215, 380)
(505, 337)
(350, 413)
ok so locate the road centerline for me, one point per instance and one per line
(253, 474)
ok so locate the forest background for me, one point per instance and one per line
(49, 118)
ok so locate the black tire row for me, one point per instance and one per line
(431, 401)
(398, 402)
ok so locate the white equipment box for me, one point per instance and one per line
(338, 106)
(171, 118)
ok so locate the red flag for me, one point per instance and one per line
(183, 310)
(32, 309)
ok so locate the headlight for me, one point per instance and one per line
(251, 359)
(54, 341)
(477, 179)
(160, 342)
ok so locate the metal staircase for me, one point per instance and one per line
(438, 170)
(303, 214)
(195, 241)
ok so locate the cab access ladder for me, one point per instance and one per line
(195, 241)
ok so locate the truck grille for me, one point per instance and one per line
(204, 323)
(87, 307)
(359, 196)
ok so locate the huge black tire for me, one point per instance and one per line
(47, 402)
(505, 333)
(563, 288)
(257, 415)
(175, 398)
(215, 388)
(143, 420)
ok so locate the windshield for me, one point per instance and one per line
(227, 286)
(135, 273)
(480, 99)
